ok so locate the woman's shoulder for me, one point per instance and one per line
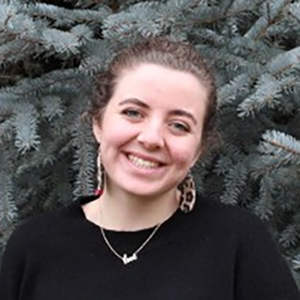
(48, 224)
(223, 212)
(222, 218)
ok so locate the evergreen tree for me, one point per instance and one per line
(50, 51)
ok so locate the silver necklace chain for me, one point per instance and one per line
(128, 259)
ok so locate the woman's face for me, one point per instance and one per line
(150, 133)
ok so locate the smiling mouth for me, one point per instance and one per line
(142, 163)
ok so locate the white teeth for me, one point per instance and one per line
(141, 163)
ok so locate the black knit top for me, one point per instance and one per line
(215, 252)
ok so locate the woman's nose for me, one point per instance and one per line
(151, 136)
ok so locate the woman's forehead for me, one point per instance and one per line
(158, 82)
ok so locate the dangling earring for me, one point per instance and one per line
(100, 175)
(187, 193)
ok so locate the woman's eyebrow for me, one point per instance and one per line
(184, 113)
(134, 101)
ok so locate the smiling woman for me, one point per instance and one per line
(144, 236)
(149, 136)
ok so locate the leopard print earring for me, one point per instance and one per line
(187, 193)
(100, 175)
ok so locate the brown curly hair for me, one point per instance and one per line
(163, 52)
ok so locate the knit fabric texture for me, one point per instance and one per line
(215, 252)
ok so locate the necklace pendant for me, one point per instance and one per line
(129, 259)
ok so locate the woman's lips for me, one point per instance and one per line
(141, 163)
(144, 158)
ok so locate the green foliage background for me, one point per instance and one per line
(50, 50)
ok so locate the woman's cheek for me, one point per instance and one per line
(184, 155)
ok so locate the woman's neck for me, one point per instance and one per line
(121, 211)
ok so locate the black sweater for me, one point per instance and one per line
(215, 252)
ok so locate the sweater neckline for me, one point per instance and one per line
(123, 241)
(168, 223)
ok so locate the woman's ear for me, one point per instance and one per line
(198, 154)
(97, 130)
(196, 158)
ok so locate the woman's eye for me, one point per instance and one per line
(132, 113)
(180, 127)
